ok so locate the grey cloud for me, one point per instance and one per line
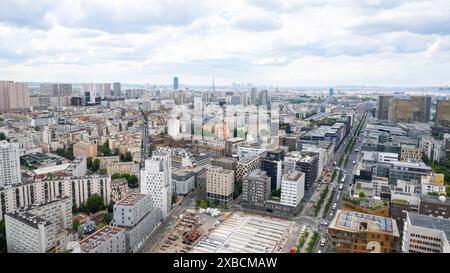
(258, 24)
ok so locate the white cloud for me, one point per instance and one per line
(281, 42)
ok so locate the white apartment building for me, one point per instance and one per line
(425, 234)
(156, 181)
(292, 188)
(9, 163)
(77, 188)
(219, 185)
(108, 239)
(139, 217)
(39, 228)
(434, 149)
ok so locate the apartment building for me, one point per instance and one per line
(79, 189)
(9, 164)
(14, 96)
(139, 217)
(156, 181)
(39, 228)
(255, 190)
(434, 149)
(247, 165)
(85, 149)
(219, 185)
(108, 239)
(433, 183)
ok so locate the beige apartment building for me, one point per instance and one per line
(85, 149)
(123, 167)
(219, 185)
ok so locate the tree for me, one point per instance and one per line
(126, 158)
(103, 171)
(110, 206)
(94, 203)
(235, 132)
(174, 198)
(104, 149)
(133, 181)
(362, 195)
(216, 203)
(93, 165)
(75, 225)
(116, 176)
(2, 136)
(107, 218)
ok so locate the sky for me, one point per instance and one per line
(263, 42)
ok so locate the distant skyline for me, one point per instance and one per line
(316, 43)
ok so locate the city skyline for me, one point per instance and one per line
(307, 43)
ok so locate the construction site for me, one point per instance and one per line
(233, 232)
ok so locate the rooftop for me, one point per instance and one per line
(430, 222)
(131, 199)
(362, 222)
(97, 238)
(293, 176)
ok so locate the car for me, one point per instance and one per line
(324, 223)
(319, 251)
(322, 242)
(334, 206)
(354, 162)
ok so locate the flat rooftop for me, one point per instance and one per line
(246, 234)
(131, 199)
(293, 176)
(430, 222)
(360, 222)
(97, 238)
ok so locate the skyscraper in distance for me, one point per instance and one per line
(330, 92)
(175, 83)
(117, 89)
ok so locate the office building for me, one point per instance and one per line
(9, 164)
(156, 181)
(253, 96)
(219, 185)
(255, 190)
(383, 107)
(272, 164)
(14, 96)
(437, 206)
(108, 239)
(330, 92)
(416, 108)
(442, 118)
(175, 83)
(433, 184)
(410, 153)
(355, 232)
(139, 217)
(263, 97)
(40, 228)
(426, 234)
(225, 162)
(292, 188)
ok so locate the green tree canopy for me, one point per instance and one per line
(133, 181)
(94, 203)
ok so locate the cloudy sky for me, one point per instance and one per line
(279, 42)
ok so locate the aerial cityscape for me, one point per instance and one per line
(210, 127)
